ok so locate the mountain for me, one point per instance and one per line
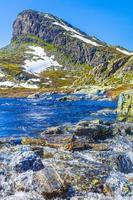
(45, 51)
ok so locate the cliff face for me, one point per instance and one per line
(71, 41)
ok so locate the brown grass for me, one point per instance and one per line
(114, 93)
(23, 92)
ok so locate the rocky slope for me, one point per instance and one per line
(46, 51)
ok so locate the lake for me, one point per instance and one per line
(23, 117)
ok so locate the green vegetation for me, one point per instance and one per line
(11, 59)
(71, 75)
(58, 78)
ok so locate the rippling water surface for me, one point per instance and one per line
(28, 117)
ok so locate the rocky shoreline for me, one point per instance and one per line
(89, 160)
(92, 91)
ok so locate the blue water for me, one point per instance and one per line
(28, 117)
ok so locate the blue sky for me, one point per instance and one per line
(109, 20)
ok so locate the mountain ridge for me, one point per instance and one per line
(44, 39)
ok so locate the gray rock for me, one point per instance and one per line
(122, 128)
(53, 131)
(125, 106)
(125, 164)
(93, 130)
(31, 162)
(71, 98)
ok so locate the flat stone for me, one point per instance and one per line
(59, 141)
(33, 141)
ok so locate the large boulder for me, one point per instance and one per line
(46, 182)
(28, 161)
(59, 141)
(125, 163)
(93, 130)
(125, 106)
(49, 182)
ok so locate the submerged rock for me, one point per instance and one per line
(125, 106)
(34, 96)
(71, 98)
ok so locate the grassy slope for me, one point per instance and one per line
(12, 57)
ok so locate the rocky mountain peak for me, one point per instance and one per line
(40, 24)
(41, 41)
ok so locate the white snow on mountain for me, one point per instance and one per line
(39, 61)
(27, 85)
(67, 28)
(86, 40)
(124, 51)
(10, 84)
(76, 34)
(6, 84)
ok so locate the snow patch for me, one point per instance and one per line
(76, 34)
(67, 28)
(6, 84)
(42, 61)
(27, 85)
(35, 79)
(86, 40)
(124, 51)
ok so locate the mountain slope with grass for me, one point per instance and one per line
(47, 52)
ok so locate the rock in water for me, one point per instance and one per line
(53, 131)
(71, 98)
(125, 106)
